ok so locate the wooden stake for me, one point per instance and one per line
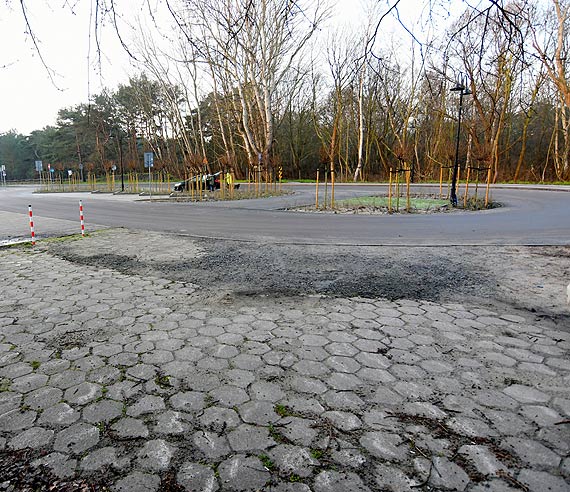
(397, 189)
(332, 188)
(317, 192)
(466, 187)
(408, 172)
(488, 185)
(390, 193)
(326, 187)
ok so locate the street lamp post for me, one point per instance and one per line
(463, 91)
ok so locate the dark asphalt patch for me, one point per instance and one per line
(285, 270)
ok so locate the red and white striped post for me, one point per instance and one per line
(32, 225)
(81, 218)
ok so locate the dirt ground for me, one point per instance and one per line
(531, 279)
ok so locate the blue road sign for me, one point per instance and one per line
(148, 159)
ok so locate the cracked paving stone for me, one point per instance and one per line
(104, 375)
(172, 423)
(129, 428)
(442, 473)
(293, 460)
(290, 487)
(212, 445)
(385, 446)
(199, 380)
(543, 416)
(14, 420)
(137, 482)
(423, 409)
(142, 372)
(76, 438)
(34, 438)
(482, 459)
(102, 411)
(218, 419)
(343, 364)
(123, 390)
(67, 379)
(89, 363)
(156, 455)
(531, 451)
(393, 479)
(147, 404)
(60, 414)
(526, 394)
(262, 390)
(243, 473)
(333, 481)
(307, 385)
(190, 401)
(29, 382)
(470, 427)
(344, 382)
(83, 393)
(343, 400)
(58, 463)
(104, 458)
(195, 477)
(229, 396)
(43, 398)
(343, 421)
(539, 481)
(258, 412)
(305, 405)
(9, 401)
(16, 370)
(349, 456)
(250, 438)
(298, 430)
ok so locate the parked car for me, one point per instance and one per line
(210, 182)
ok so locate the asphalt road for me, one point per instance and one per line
(529, 216)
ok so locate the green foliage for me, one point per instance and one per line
(163, 381)
(5, 385)
(317, 453)
(282, 410)
(267, 463)
(382, 202)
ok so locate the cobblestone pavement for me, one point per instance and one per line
(139, 384)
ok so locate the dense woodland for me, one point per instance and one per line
(269, 82)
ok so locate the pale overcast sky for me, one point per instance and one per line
(29, 100)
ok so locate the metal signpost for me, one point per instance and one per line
(39, 169)
(149, 162)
